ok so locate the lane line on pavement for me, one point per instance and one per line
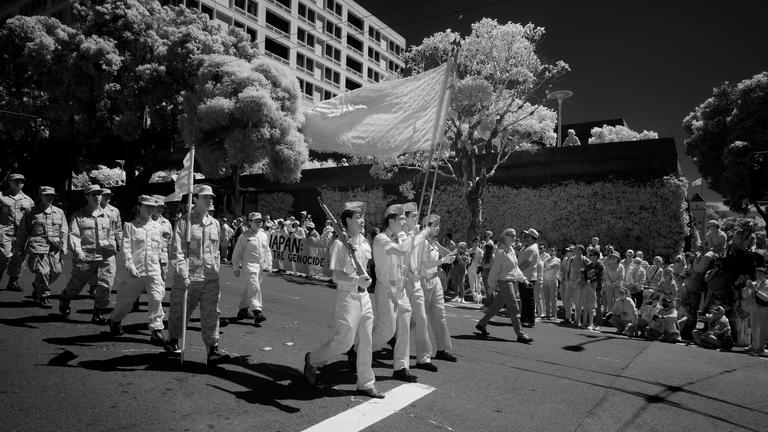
(373, 411)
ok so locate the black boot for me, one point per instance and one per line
(258, 317)
(172, 347)
(44, 303)
(244, 313)
(13, 285)
(98, 317)
(215, 357)
(64, 308)
(157, 337)
(115, 328)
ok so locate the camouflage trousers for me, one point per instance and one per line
(204, 293)
(46, 268)
(84, 271)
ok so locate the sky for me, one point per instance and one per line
(649, 62)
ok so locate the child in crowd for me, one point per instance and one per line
(664, 324)
(716, 332)
(635, 279)
(623, 313)
(648, 310)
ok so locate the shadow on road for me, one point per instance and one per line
(580, 347)
(92, 339)
(268, 384)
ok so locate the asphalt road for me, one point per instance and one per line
(72, 376)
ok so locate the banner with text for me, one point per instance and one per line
(300, 255)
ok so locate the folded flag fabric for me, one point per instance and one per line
(381, 120)
(696, 182)
(182, 180)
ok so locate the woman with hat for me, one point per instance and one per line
(613, 277)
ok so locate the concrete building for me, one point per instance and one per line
(334, 45)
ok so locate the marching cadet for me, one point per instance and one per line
(43, 236)
(92, 242)
(353, 315)
(117, 225)
(393, 309)
(197, 271)
(414, 290)
(431, 257)
(166, 232)
(253, 252)
(142, 246)
(13, 205)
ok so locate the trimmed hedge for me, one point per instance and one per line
(649, 216)
(277, 205)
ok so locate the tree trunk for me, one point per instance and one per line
(761, 211)
(475, 205)
(236, 206)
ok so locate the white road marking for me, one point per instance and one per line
(265, 348)
(375, 410)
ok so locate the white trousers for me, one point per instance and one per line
(392, 318)
(251, 297)
(419, 325)
(434, 305)
(353, 316)
(130, 290)
(475, 280)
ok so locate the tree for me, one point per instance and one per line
(607, 134)
(495, 106)
(243, 113)
(728, 141)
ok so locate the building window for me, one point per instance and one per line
(305, 37)
(251, 33)
(374, 55)
(333, 53)
(285, 3)
(307, 88)
(207, 10)
(392, 66)
(373, 75)
(306, 13)
(354, 65)
(331, 76)
(193, 4)
(355, 43)
(274, 22)
(278, 49)
(240, 4)
(333, 30)
(374, 34)
(305, 63)
(327, 94)
(333, 6)
(352, 85)
(354, 21)
(239, 25)
(253, 8)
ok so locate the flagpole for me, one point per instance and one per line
(188, 239)
(439, 120)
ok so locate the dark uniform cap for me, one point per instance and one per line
(16, 176)
(147, 200)
(410, 207)
(203, 190)
(47, 190)
(355, 206)
(106, 191)
(92, 188)
(394, 209)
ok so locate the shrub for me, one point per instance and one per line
(278, 205)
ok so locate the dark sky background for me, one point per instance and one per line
(649, 62)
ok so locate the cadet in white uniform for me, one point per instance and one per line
(253, 254)
(142, 246)
(353, 315)
(392, 314)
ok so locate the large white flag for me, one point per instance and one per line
(383, 119)
(182, 180)
(696, 182)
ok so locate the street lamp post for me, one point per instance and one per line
(560, 95)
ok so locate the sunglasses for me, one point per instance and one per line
(253, 220)
(510, 235)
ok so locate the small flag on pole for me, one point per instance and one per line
(696, 182)
(384, 119)
(182, 180)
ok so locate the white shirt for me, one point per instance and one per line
(530, 255)
(389, 267)
(252, 251)
(341, 259)
(142, 245)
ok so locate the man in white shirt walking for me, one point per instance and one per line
(252, 253)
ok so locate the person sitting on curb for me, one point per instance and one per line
(623, 315)
(716, 332)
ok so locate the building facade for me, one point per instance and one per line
(333, 45)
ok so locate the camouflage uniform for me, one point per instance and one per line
(43, 236)
(12, 209)
(201, 266)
